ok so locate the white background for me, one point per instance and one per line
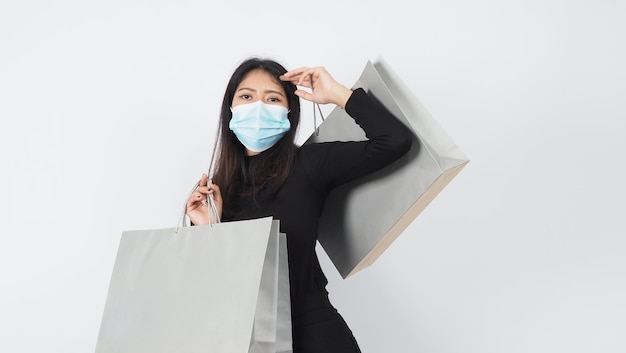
(109, 111)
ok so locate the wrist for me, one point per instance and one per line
(342, 94)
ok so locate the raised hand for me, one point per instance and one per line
(324, 88)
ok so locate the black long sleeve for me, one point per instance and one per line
(330, 164)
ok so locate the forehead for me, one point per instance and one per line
(259, 79)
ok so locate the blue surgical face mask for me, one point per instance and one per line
(258, 125)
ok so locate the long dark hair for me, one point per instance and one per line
(269, 169)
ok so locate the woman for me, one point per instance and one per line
(261, 172)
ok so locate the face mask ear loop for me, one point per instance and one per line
(317, 129)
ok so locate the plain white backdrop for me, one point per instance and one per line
(109, 110)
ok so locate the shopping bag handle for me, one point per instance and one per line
(212, 210)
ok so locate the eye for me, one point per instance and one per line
(274, 100)
(246, 96)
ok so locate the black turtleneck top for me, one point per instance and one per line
(318, 169)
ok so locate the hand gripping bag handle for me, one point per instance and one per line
(212, 209)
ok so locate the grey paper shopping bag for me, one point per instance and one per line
(284, 341)
(362, 218)
(272, 320)
(190, 289)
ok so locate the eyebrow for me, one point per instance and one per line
(266, 91)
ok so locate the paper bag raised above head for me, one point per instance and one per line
(362, 218)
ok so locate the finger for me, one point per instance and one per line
(198, 196)
(294, 80)
(203, 180)
(289, 75)
(196, 200)
(305, 95)
(306, 78)
(214, 189)
(202, 184)
(300, 77)
(203, 190)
